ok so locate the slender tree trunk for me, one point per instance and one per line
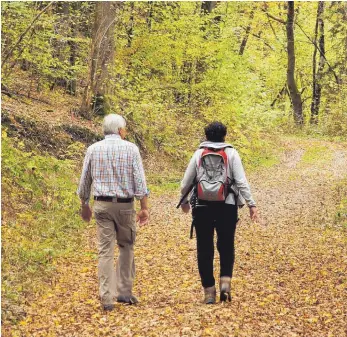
(317, 74)
(150, 14)
(293, 90)
(102, 53)
(72, 84)
(314, 63)
(248, 30)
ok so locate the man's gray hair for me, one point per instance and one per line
(112, 124)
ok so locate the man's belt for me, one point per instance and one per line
(114, 199)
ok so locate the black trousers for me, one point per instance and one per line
(222, 217)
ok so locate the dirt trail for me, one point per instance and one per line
(289, 279)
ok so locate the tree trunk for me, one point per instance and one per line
(317, 75)
(248, 30)
(208, 6)
(102, 53)
(293, 90)
(149, 17)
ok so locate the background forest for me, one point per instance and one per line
(265, 69)
(170, 67)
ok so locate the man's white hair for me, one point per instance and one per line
(112, 124)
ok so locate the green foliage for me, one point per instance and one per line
(175, 68)
(179, 74)
(41, 220)
(46, 50)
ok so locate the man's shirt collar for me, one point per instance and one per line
(113, 136)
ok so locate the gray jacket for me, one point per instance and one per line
(235, 172)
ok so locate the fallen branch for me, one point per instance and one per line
(5, 91)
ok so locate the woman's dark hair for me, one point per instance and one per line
(215, 132)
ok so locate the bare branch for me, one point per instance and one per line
(274, 17)
(321, 53)
(24, 33)
(261, 39)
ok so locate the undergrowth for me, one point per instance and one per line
(40, 221)
(341, 211)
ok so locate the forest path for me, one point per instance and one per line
(289, 277)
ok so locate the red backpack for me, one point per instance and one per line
(212, 177)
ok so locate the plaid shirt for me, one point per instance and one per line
(114, 166)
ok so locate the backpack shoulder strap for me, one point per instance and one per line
(198, 157)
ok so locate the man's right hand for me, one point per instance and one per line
(86, 212)
(142, 217)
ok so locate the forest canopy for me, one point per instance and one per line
(170, 67)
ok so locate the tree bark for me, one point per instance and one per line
(317, 75)
(102, 53)
(293, 90)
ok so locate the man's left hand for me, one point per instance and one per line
(142, 217)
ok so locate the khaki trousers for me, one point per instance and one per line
(115, 221)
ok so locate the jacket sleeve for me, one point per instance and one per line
(238, 174)
(189, 177)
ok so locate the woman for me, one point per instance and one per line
(217, 175)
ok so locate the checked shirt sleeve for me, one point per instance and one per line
(86, 179)
(140, 187)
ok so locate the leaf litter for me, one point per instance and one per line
(289, 279)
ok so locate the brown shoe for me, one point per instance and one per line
(210, 295)
(108, 307)
(225, 289)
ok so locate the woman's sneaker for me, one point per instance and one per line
(210, 295)
(225, 289)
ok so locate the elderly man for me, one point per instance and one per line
(114, 167)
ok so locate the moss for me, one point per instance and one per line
(316, 153)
